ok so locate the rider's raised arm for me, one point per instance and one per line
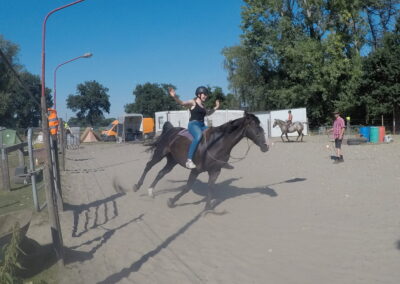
(211, 111)
(188, 103)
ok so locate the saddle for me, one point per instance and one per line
(186, 133)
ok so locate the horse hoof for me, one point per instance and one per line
(171, 203)
(135, 188)
(150, 192)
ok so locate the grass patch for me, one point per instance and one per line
(20, 198)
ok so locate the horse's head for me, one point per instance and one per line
(275, 123)
(254, 131)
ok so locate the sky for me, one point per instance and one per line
(133, 42)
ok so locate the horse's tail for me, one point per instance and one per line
(166, 127)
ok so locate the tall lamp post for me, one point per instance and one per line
(48, 170)
(86, 55)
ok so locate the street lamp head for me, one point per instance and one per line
(87, 55)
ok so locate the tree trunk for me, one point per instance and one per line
(394, 121)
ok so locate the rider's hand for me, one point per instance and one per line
(171, 92)
(217, 104)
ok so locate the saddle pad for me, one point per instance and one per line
(185, 133)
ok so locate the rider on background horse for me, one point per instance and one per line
(290, 118)
(196, 122)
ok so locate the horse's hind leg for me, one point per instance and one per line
(212, 178)
(171, 163)
(192, 178)
(157, 157)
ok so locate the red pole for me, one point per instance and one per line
(48, 170)
(44, 40)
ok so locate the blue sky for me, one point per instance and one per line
(133, 42)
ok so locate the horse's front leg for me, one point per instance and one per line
(212, 177)
(154, 160)
(282, 137)
(192, 178)
(171, 163)
(287, 137)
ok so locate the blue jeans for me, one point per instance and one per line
(195, 128)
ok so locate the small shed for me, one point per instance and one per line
(9, 137)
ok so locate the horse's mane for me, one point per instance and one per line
(233, 125)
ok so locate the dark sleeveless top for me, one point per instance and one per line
(197, 113)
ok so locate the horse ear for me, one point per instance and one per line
(245, 113)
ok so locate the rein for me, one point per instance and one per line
(235, 158)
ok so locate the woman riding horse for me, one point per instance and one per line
(285, 129)
(196, 121)
(212, 152)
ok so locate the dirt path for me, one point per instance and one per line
(291, 217)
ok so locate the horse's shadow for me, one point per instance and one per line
(225, 190)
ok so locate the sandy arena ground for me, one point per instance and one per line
(291, 217)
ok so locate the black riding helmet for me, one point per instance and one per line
(202, 90)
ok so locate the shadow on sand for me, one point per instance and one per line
(37, 258)
(223, 191)
(107, 207)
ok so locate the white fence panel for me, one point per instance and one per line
(265, 120)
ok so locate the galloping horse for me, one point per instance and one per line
(211, 155)
(295, 126)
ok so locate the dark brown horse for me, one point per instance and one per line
(211, 155)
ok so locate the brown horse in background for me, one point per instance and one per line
(211, 155)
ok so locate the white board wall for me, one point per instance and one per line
(265, 120)
(180, 118)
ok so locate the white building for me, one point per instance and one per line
(180, 118)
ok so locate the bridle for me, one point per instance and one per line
(230, 156)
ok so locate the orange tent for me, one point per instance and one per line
(89, 136)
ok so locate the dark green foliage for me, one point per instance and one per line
(73, 121)
(380, 85)
(90, 102)
(305, 54)
(150, 98)
(19, 106)
(226, 101)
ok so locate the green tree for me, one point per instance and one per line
(90, 102)
(226, 101)
(10, 50)
(20, 91)
(27, 111)
(300, 53)
(380, 87)
(150, 98)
